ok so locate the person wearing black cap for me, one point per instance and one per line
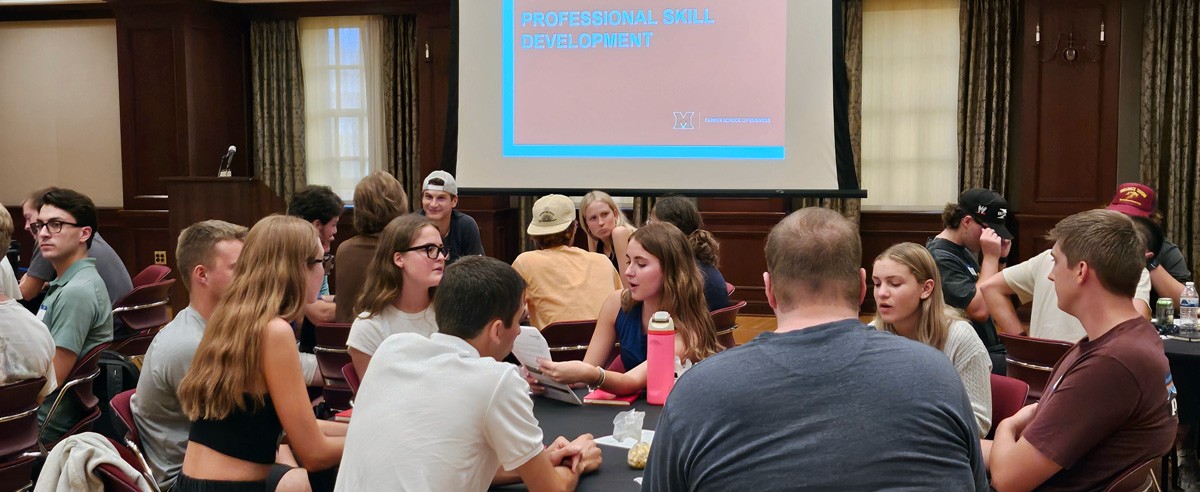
(974, 225)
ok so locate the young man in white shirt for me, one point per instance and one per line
(445, 413)
(26, 348)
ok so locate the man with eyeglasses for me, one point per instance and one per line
(76, 309)
(321, 206)
(112, 270)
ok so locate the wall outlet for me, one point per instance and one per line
(160, 257)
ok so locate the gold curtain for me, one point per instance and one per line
(277, 104)
(852, 17)
(402, 156)
(984, 92)
(1170, 131)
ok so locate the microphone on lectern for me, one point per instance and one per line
(223, 171)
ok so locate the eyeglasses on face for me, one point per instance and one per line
(54, 226)
(432, 251)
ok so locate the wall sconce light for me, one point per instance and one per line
(1071, 52)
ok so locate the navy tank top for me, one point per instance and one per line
(631, 336)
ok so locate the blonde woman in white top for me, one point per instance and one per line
(398, 293)
(606, 228)
(909, 303)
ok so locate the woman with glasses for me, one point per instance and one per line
(397, 296)
(243, 390)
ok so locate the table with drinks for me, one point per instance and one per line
(1181, 343)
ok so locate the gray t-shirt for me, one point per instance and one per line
(838, 406)
(156, 409)
(1171, 258)
(108, 264)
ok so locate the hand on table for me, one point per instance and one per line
(568, 372)
(581, 455)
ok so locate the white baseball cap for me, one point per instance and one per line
(449, 187)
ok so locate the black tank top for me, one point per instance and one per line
(251, 434)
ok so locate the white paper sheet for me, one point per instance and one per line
(647, 435)
(530, 346)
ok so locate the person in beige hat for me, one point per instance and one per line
(565, 283)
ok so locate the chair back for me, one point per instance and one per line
(1032, 359)
(332, 356)
(1140, 478)
(17, 474)
(79, 382)
(569, 340)
(113, 478)
(1008, 396)
(151, 274)
(145, 307)
(352, 378)
(726, 321)
(124, 411)
(18, 416)
(729, 288)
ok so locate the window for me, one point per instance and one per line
(910, 104)
(341, 125)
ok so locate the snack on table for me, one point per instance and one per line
(638, 455)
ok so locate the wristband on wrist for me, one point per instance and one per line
(599, 382)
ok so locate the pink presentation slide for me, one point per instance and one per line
(645, 78)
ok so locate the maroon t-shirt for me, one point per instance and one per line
(1109, 407)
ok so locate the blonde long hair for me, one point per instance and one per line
(682, 288)
(269, 282)
(385, 280)
(933, 324)
(600, 196)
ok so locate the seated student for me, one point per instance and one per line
(1110, 406)
(244, 387)
(378, 199)
(439, 196)
(321, 206)
(445, 413)
(565, 283)
(1139, 200)
(680, 212)
(76, 308)
(910, 304)
(975, 224)
(606, 227)
(26, 348)
(206, 255)
(824, 402)
(662, 276)
(1030, 282)
(112, 270)
(8, 279)
(398, 297)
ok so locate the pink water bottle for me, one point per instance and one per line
(660, 354)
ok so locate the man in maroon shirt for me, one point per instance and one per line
(1110, 403)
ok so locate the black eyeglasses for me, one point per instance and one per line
(54, 226)
(433, 251)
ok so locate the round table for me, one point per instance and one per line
(1184, 357)
(562, 419)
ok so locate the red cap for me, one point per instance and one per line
(1134, 199)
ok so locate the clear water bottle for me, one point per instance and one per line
(1188, 303)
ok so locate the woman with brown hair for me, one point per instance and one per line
(909, 303)
(378, 199)
(244, 387)
(398, 294)
(606, 228)
(681, 213)
(662, 276)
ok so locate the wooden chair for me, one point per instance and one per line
(332, 356)
(18, 432)
(1008, 396)
(138, 315)
(124, 411)
(726, 321)
(151, 274)
(1032, 359)
(1141, 478)
(78, 383)
(569, 340)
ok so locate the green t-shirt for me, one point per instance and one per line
(79, 315)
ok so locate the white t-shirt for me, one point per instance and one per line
(1030, 282)
(367, 333)
(26, 347)
(432, 414)
(8, 280)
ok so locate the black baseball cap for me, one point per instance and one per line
(987, 207)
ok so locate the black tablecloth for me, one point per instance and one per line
(1184, 357)
(560, 419)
